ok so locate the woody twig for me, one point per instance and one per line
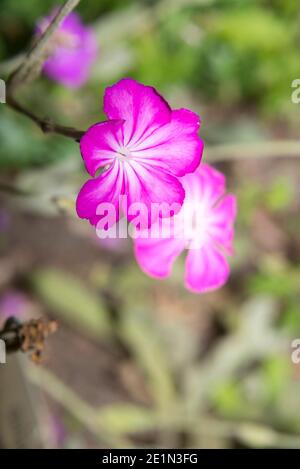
(29, 69)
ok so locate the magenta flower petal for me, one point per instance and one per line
(208, 184)
(145, 186)
(206, 269)
(150, 144)
(222, 230)
(142, 108)
(157, 256)
(74, 50)
(148, 184)
(103, 189)
(204, 226)
(99, 144)
(175, 145)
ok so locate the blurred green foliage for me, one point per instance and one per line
(70, 300)
(18, 151)
(249, 54)
(228, 54)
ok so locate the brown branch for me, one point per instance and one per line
(34, 59)
(10, 65)
(31, 66)
(12, 190)
(46, 125)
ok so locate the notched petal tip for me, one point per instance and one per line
(188, 117)
(134, 87)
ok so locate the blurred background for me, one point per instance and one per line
(138, 362)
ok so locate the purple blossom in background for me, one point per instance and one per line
(58, 431)
(4, 221)
(74, 51)
(13, 303)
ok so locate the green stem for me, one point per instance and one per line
(82, 411)
(261, 150)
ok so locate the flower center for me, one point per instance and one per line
(124, 153)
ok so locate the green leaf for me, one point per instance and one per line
(139, 331)
(126, 418)
(228, 398)
(277, 374)
(280, 195)
(280, 284)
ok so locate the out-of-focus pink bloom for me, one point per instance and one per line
(210, 215)
(73, 51)
(59, 432)
(13, 303)
(144, 148)
(4, 220)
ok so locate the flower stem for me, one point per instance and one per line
(243, 151)
(31, 66)
(46, 125)
(34, 59)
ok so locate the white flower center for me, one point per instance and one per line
(124, 153)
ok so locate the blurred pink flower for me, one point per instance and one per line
(143, 148)
(4, 220)
(13, 303)
(58, 431)
(74, 49)
(208, 241)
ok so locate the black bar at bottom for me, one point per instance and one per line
(139, 457)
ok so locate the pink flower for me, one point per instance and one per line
(73, 52)
(143, 148)
(58, 430)
(208, 241)
(4, 221)
(13, 303)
